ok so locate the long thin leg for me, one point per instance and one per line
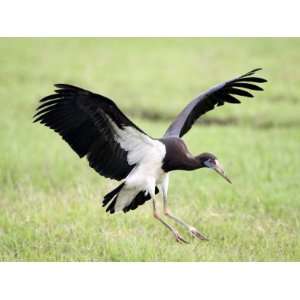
(156, 215)
(193, 231)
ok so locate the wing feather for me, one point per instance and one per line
(215, 96)
(91, 124)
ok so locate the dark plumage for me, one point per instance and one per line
(81, 118)
(216, 96)
(116, 148)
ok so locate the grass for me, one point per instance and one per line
(49, 199)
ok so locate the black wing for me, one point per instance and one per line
(92, 125)
(216, 96)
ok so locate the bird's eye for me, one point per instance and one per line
(209, 163)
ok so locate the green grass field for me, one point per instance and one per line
(50, 200)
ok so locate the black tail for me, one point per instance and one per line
(112, 196)
(138, 200)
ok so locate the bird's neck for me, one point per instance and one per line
(191, 163)
(178, 157)
(186, 163)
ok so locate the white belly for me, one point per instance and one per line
(148, 171)
(143, 177)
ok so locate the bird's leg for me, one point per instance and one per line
(192, 230)
(156, 215)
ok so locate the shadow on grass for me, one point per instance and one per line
(210, 121)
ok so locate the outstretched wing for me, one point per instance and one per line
(96, 128)
(216, 96)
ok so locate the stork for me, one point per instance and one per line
(116, 148)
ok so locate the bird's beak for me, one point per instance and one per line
(220, 170)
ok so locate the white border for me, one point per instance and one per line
(163, 280)
(149, 18)
(149, 281)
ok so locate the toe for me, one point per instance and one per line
(180, 239)
(195, 233)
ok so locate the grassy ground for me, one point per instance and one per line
(49, 199)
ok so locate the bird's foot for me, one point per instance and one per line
(179, 238)
(195, 233)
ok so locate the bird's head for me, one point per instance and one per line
(208, 160)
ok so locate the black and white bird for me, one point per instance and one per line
(116, 148)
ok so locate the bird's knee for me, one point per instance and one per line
(167, 212)
(156, 215)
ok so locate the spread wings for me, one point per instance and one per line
(96, 128)
(216, 96)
